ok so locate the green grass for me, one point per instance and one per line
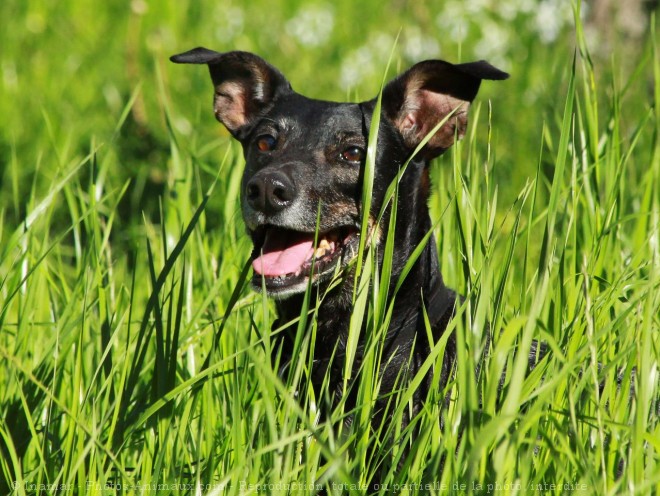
(133, 353)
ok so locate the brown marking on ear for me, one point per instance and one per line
(229, 105)
(429, 109)
(425, 104)
(422, 97)
(245, 85)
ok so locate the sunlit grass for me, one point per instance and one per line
(133, 353)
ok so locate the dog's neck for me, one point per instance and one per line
(423, 288)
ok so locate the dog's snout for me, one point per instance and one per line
(270, 191)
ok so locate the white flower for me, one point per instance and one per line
(551, 17)
(416, 46)
(230, 23)
(368, 61)
(494, 44)
(312, 26)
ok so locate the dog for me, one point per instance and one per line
(303, 179)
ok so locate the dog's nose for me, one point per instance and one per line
(270, 191)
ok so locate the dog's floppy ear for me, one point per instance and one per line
(420, 98)
(245, 85)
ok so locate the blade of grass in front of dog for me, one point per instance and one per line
(305, 336)
(367, 190)
(388, 257)
(391, 196)
(357, 316)
(362, 280)
(392, 188)
(368, 175)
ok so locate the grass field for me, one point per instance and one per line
(133, 354)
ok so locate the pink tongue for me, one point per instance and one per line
(280, 259)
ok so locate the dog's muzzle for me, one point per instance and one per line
(284, 260)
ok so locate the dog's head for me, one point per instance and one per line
(304, 157)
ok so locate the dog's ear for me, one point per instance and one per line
(245, 85)
(420, 98)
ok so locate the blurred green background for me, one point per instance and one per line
(69, 69)
(86, 244)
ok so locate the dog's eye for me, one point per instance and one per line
(353, 154)
(266, 143)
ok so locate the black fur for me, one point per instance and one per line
(303, 167)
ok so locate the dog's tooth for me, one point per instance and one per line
(322, 248)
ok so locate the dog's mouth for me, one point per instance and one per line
(285, 259)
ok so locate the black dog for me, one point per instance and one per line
(305, 158)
